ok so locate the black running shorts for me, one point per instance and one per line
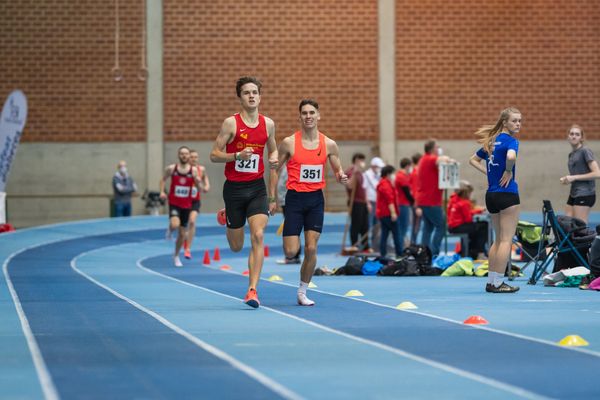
(243, 200)
(498, 201)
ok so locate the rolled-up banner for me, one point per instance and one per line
(12, 122)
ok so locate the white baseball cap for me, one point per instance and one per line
(377, 162)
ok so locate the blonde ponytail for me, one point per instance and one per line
(487, 133)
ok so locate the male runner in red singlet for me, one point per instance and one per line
(183, 179)
(241, 145)
(205, 187)
(306, 153)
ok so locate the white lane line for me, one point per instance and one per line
(43, 374)
(485, 328)
(465, 374)
(246, 369)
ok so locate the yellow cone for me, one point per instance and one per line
(280, 229)
(573, 340)
(312, 285)
(406, 305)
(275, 278)
(354, 293)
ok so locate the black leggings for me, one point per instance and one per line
(359, 225)
(478, 235)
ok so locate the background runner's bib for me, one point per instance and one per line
(181, 188)
(306, 168)
(252, 169)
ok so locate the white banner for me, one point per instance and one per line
(2, 208)
(449, 177)
(12, 122)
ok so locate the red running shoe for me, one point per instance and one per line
(221, 217)
(187, 254)
(252, 298)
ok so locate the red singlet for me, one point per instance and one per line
(181, 188)
(253, 168)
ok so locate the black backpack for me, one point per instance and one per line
(420, 253)
(353, 266)
(404, 266)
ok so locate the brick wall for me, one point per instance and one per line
(459, 63)
(60, 53)
(316, 48)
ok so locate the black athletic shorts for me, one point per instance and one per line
(243, 200)
(498, 201)
(182, 213)
(303, 210)
(587, 201)
(196, 205)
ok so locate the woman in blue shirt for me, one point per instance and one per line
(499, 151)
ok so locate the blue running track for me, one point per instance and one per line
(95, 309)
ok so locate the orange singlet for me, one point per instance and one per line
(306, 168)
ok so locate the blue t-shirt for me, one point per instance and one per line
(496, 163)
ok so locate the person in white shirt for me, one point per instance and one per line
(372, 177)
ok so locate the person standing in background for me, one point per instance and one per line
(359, 213)
(404, 199)
(416, 211)
(429, 196)
(371, 180)
(583, 170)
(123, 188)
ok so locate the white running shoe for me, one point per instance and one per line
(177, 262)
(304, 301)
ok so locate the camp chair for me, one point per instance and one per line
(561, 243)
(527, 238)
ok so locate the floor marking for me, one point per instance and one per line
(465, 374)
(43, 374)
(258, 376)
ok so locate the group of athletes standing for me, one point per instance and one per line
(241, 144)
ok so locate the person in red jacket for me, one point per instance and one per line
(404, 198)
(416, 211)
(386, 210)
(460, 220)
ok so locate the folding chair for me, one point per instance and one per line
(527, 239)
(561, 243)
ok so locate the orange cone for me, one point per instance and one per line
(206, 260)
(475, 320)
(217, 254)
(266, 251)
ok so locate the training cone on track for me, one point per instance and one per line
(475, 320)
(206, 260)
(354, 293)
(217, 254)
(406, 305)
(275, 278)
(312, 285)
(573, 340)
(266, 251)
(246, 272)
(225, 267)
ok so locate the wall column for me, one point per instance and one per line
(387, 79)
(154, 94)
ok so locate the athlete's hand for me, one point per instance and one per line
(272, 207)
(246, 153)
(506, 177)
(162, 195)
(342, 177)
(274, 162)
